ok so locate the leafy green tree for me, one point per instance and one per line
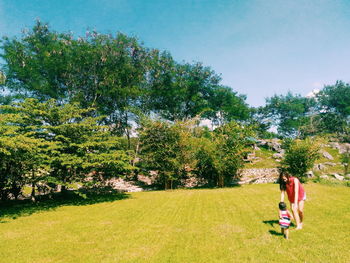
(226, 105)
(300, 156)
(334, 108)
(115, 75)
(220, 156)
(183, 91)
(100, 71)
(165, 149)
(289, 113)
(24, 159)
(179, 91)
(77, 147)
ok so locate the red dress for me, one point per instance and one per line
(290, 190)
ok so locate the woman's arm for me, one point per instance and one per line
(282, 195)
(296, 191)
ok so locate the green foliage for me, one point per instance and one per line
(289, 113)
(227, 106)
(59, 144)
(24, 158)
(165, 149)
(300, 156)
(221, 155)
(334, 104)
(116, 75)
(174, 150)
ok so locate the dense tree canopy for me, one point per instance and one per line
(289, 113)
(114, 74)
(71, 103)
(334, 107)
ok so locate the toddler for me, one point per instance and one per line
(284, 219)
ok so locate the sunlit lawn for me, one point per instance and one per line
(210, 225)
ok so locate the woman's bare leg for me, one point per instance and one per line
(301, 212)
(295, 211)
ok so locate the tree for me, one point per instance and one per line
(115, 75)
(66, 139)
(220, 156)
(289, 113)
(165, 148)
(334, 108)
(100, 71)
(226, 106)
(300, 156)
(183, 91)
(24, 158)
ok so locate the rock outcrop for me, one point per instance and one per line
(327, 155)
(124, 185)
(262, 175)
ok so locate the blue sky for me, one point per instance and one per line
(261, 48)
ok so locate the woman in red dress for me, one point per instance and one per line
(296, 196)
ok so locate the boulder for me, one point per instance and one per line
(338, 177)
(324, 176)
(330, 164)
(341, 147)
(347, 176)
(275, 145)
(327, 155)
(123, 186)
(319, 167)
(262, 142)
(309, 174)
(277, 156)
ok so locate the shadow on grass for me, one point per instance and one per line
(14, 209)
(273, 223)
(275, 233)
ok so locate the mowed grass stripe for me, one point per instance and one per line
(207, 225)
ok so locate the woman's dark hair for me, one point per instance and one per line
(282, 183)
(282, 206)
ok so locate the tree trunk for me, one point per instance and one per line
(32, 195)
(221, 181)
(127, 130)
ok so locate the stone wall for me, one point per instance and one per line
(257, 175)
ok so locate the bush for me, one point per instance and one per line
(221, 155)
(300, 157)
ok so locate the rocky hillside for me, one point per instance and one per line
(260, 167)
(267, 154)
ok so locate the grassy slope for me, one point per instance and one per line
(214, 225)
(266, 161)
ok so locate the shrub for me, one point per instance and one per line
(300, 157)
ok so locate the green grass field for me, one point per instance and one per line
(207, 225)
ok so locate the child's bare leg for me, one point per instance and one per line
(286, 233)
